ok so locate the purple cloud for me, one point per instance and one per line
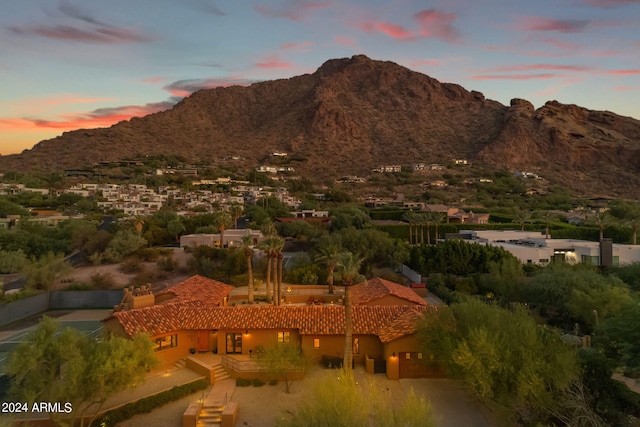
(294, 10)
(435, 23)
(187, 87)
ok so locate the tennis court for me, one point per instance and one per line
(85, 321)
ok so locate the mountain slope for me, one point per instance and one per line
(355, 114)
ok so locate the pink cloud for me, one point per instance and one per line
(428, 62)
(629, 72)
(101, 117)
(186, 87)
(395, 31)
(541, 76)
(434, 23)
(345, 41)
(626, 88)
(532, 67)
(561, 44)
(299, 47)
(271, 62)
(539, 23)
(294, 10)
(95, 35)
(610, 3)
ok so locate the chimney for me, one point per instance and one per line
(606, 252)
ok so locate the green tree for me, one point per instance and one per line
(280, 360)
(619, 336)
(349, 216)
(339, 401)
(12, 261)
(124, 243)
(67, 366)
(521, 369)
(41, 273)
(349, 266)
(175, 227)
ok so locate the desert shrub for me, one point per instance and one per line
(273, 382)
(147, 404)
(102, 280)
(152, 254)
(79, 286)
(241, 382)
(12, 261)
(144, 277)
(257, 382)
(131, 265)
(167, 264)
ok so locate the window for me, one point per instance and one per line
(356, 346)
(316, 343)
(407, 355)
(283, 336)
(164, 343)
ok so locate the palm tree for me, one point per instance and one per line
(222, 220)
(350, 267)
(427, 218)
(547, 217)
(522, 216)
(271, 245)
(247, 245)
(633, 223)
(438, 218)
(412, 219)
(329, 255)
(236, 212)
(602, 219)
(277, 264)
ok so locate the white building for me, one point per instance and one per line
(532, 247)
(231, 238)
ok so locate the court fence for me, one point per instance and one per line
(58, 300)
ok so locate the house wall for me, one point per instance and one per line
(408, 343)
(186, 341)
(255, 338)
(333, 345)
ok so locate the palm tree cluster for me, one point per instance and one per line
(417, 221)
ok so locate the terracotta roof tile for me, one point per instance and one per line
(208, 291)
(403, 325)
(194, 310)
(374, 289)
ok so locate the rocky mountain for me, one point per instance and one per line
(355, 114)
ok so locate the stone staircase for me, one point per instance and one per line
(221, 372)
(181, 363)
(210, 414)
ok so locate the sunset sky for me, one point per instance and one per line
(67, 65)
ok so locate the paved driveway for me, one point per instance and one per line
(451, 406)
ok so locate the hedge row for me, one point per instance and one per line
(147, 404)
(557, 230)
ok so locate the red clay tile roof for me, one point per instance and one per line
(208, 291)
(374, 289)
(403, 325)
(309, 320)
(154, 320)
(194, 307)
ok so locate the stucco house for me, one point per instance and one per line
(194, 316)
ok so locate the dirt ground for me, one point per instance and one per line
(83, 274)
